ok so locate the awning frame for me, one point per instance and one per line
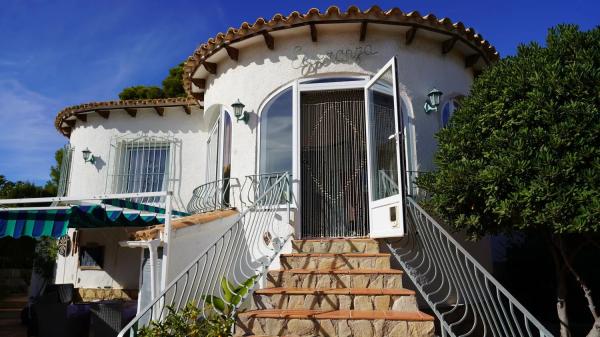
(55, 201)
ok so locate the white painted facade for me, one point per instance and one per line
(254, 77)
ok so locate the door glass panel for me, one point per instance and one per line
(276, 134)
(382, 142)
(212, 154)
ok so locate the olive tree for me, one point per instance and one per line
(522, 153)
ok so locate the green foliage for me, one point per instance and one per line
(523, 150)
(172, 86)
(218, 318)
(175, 324)
(141, 92)
(52, 185)
(44, 258)
(21, 189)
(173, 83)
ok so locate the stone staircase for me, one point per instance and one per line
(335, 287)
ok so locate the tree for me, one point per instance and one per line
(522, 153)
(172, 86)
(141, 92)
(52, 184)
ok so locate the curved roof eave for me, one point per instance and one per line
(333, 14)
(61, 123)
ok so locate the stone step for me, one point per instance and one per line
(335, 261)
(341, 323)
(335, 299)
(342, 245)
(331, 278)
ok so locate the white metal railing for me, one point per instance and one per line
(243, 251)
(467, 299)
(212, 196)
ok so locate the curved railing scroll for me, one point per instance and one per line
(466, 298)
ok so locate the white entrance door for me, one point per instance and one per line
(384, 153)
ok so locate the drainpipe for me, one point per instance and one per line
(152, 246)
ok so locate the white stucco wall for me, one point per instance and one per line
(259, 72)
(121, 265)
(96, 135)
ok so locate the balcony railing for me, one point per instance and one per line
(213, 196)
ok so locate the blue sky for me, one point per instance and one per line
(56, 53)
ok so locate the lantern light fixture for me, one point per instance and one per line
(433, 101)
(239, 113)
(88, 157)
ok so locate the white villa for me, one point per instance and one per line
(293, 157)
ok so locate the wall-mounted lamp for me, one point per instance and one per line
(88, 157)
(433, 101)
(239, 113)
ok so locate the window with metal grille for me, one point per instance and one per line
(142, 164)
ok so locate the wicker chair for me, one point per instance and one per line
(106, 319)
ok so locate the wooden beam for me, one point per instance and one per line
(269, 40)
(449, 44)
(232, 52)
(199, 82)
(160, 110)
(104, 113)
(131, 112)
(313, 32)
(471, 60)
(70, 122)
(81, 117)
(363, 30)
(198, 96)
(187, 109)
(410, 35)
(210, 67)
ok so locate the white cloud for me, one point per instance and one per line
(27, 135)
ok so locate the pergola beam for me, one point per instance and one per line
(131, 112)
(313, 32)
(449, 44)
(198, 96)
(269, 40)
(199, 82)
(363, 30)
(410, 35)
(471, 60)
(232, 52)
(104, 113)
(210, 67)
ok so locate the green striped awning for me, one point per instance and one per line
(55, 221)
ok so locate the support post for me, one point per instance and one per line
(166, 240)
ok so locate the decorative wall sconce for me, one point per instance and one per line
(239, 113)
(88, 157)
(433, 101)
